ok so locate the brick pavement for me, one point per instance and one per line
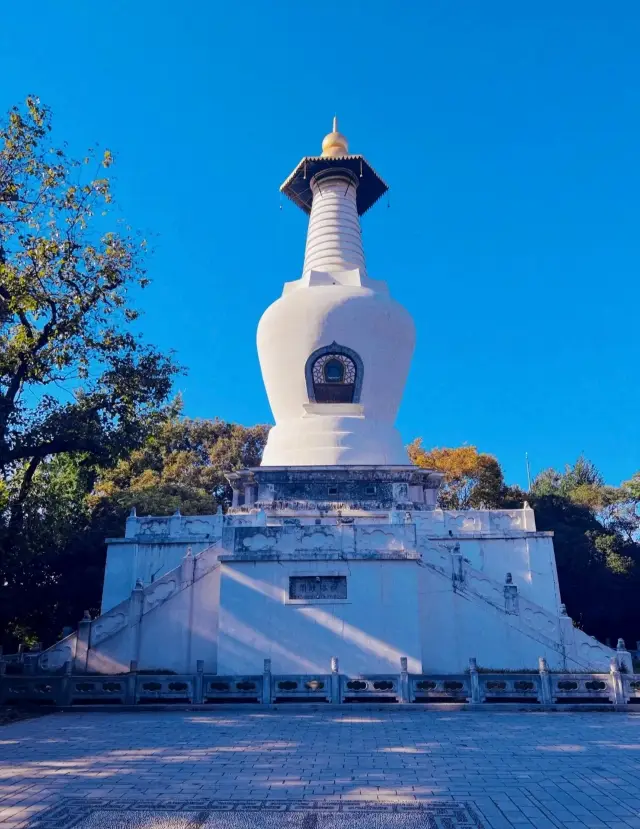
(517, 769)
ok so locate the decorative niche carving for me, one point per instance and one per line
(334, 375)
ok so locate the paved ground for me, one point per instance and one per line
(332, 768)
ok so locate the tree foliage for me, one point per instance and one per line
(472, 479)
(74, 377)
(79, 388)
(181, 466)
(73, 507)
(596, 544)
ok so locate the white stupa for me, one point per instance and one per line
(333, 550)
(335, 348)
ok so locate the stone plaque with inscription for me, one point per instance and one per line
(318, 587)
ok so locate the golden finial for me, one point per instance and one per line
(335, 144)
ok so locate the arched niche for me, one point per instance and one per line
(334, 374)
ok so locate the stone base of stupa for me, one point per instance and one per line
(318, 563)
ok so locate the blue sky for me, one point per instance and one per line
(508, 132)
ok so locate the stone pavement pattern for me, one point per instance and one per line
(346, 768)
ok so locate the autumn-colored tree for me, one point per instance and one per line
(472, 479)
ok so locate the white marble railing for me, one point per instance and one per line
(432, 522)
(474, 687)
(439, 522)
(174, 526)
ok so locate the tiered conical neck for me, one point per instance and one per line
(334, 237)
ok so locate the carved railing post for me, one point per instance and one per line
(83, 641)
(335, 681)
(625, 660)
(457, 562)
(510, 595)
(198, 690)
(404, 680)
(131, 524)
(545, 682)
(131, 681)
(616, 682)
(66, 694)
(186, 568)
(136, 606)
(475, 682)
(175, 523)
(266, 682)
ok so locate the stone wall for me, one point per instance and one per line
(370, 630)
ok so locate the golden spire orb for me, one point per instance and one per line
(335, 144)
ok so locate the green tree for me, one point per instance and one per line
(78, 387)
(621, 512)
(75, 505)
(596, 554)
(57, 564)
(74, 377)
(182, 466)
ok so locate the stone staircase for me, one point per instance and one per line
(553, 632)
(121, 625)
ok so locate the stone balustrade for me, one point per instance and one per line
(434, 522)
(173, 526)
(475, 687)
